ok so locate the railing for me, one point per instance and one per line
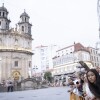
(73, 96)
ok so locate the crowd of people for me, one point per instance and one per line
(87, 84)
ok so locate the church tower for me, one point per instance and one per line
(15, 47)
(4, 21)
(24, 25)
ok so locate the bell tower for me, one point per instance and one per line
(24, 25)
(4, 21)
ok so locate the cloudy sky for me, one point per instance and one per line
(60, 22)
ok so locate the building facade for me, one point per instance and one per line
(43, 59)
(15, 47)
(94, 56)
(67, 59)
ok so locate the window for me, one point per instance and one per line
(3, 14)
(42, 50)
(6, 25)
(25, 19)
(23, 28)
(29, 63)
(0, 22)
(0, 13)
(97, 58)
(91, 50)
(96, 52)
(16, 63)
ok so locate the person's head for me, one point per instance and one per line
(98, 69)
(85, 78)
(92, 75)
(94, 82)
(82, 76)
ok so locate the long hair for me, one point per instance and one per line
(94, 87)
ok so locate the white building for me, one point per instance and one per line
(66, 59)
(42, 59)
(15, 47)
(94, 56)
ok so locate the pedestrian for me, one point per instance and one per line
(10, 86)
(93, 78)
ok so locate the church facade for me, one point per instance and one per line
(15, 47)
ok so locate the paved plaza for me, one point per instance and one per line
(52, 93)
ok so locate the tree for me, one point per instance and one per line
(48, 76)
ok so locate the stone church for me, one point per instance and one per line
(15, 47)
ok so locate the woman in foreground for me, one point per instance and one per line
(93, 78)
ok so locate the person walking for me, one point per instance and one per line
(10, 86)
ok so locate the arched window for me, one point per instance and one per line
(23, 28)
(25, 19)
(6, 25)
(3, 14)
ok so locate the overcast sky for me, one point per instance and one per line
(60, 22)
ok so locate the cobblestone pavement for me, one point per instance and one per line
(52, 93)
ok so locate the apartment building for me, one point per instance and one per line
(66, 59)
(94, 56)
(42, 59)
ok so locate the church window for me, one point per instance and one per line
(3, 14)
(23, 28)
(29, 31)
(16, 63)
(6, 25)
(25, 19)
(22, 19)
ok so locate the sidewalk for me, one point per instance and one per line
(52, 93)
